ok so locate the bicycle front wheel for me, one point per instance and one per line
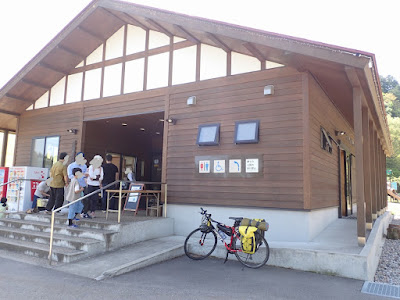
(256, 260)
(199, 245)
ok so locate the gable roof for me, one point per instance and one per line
(101, 18)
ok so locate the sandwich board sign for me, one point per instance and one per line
(132, 199)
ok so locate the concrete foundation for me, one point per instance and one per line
(285, 225)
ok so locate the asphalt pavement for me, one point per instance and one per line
(180, 278)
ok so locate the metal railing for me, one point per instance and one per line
(93, 193)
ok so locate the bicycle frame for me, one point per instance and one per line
(234, 234)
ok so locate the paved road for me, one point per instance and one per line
(180, 278)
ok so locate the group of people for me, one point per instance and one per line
(74, 181)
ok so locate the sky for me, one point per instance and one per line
(26, 26)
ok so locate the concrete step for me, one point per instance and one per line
(59, 254)
(77, 243)
(93, 233)
(127, 259)
(96, 223)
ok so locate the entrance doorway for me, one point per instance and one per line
(346, 200)
(134, 141)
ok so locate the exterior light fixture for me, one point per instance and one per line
(337, 132)
(268, 90)
(171, 121)
(191, 101)
(124, 124)
(142, 129)
(158, 133)
(73, 130)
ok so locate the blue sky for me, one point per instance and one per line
(27, 26)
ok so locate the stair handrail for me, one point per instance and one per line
(90, 194)
(72, 202)
(11, 181)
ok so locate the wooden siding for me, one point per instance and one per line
(324, 165)
(225, 101)
(40, 124)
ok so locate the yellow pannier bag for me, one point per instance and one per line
(259, 223)
(248, 239)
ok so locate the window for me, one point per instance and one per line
(208, 135)
(326, 143)
(246, 132)
(44, 151)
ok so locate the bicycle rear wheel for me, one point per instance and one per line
(256, 260)
(199, 245)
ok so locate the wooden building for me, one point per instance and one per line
(242, 121)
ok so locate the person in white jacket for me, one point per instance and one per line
(94, 181)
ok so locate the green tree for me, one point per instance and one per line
(388, 83)
(393, 162)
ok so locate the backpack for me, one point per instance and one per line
(248, 239)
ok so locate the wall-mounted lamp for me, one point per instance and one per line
(268, 90)
(191, 100)
(169, 120)
(73, 130)
(337, 132)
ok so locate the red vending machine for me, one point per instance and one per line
(3, 179)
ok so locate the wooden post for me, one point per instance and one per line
(384, 179)
(358, 133)
(306, 144)
(384, 198)
(367, 169)
(382, 185)
(4, 149)
(374, 182)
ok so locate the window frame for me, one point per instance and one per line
(216, 137)
(44, 147)
(249, 141)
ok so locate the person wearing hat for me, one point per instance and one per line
(94, 182)
(80, 163)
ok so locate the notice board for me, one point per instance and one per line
(132, 199)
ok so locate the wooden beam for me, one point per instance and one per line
(159, 27)
(255, 52)
(135, 22)
(19, 98)
(186, 34)
(54, 69)
(36, 84)
(358, 134)
(114, 15)
(92, 34)
(7, 112)
(218, 42)
(352, 76)
(71, 52)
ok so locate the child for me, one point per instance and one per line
(3, 206)
(74, 192)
